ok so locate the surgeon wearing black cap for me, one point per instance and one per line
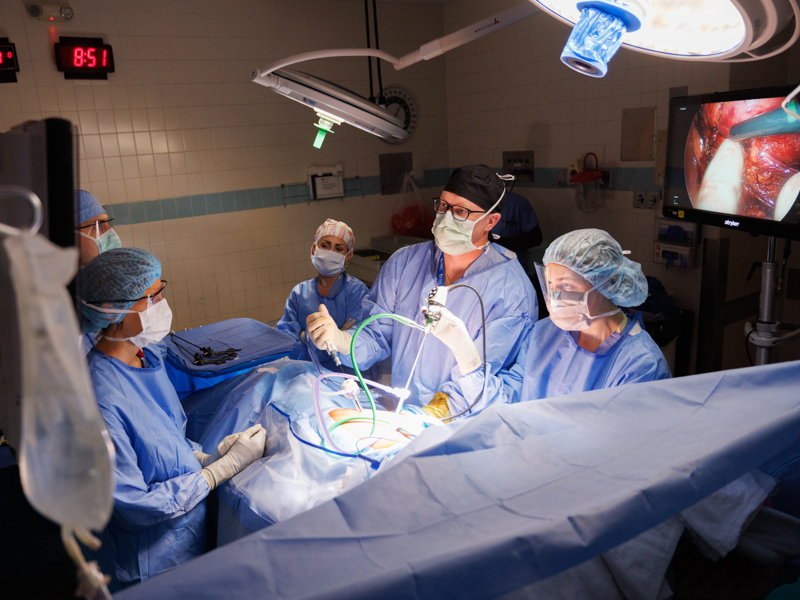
(466, 211)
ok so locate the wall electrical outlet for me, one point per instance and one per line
(639, 199)
(651, 199)
(519, 164)
(573, 168)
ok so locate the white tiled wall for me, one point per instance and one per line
(180, 117)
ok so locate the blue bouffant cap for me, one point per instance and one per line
(117, 274)
(597, 257)
(86, 207)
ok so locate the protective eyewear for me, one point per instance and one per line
(152, 297)
(459, 212)
(556, 294)
(99, 226)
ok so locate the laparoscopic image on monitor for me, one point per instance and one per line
(733, 160)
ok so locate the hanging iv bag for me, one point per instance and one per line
(67, 457)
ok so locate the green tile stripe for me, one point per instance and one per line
(165, 209)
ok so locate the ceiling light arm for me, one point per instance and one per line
(427, 51)
(298, 58)
(468, 34)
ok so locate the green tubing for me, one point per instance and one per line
(404, 321)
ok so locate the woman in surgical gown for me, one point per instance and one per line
(333, 288)
(586, 343)
(161, 478)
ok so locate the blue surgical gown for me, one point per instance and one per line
(159, 518)
(551, 364)
(343, 303)
(402, 286)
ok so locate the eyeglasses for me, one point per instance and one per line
(100, 226)
(459, 212)
(152, 297)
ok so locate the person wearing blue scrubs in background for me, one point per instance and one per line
(466, 211)
(519, 228)
(341, 294)
(93, 235)
(161, 478)
(93, 231)
(586, 343)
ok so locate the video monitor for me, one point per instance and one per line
(733, 161)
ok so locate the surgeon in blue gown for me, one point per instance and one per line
(340, 293)
(466, 212)
(587, 342)
(161, 478)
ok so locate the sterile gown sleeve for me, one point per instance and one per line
(139, 504)
(552, 364)
(290, 321)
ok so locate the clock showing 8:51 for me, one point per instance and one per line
(401, 105)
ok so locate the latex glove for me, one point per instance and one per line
(322, 328)
(452, 332)
(438, 407)
(245, 450)
(223, 447)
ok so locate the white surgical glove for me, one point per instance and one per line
(246, 449)
(223, 447)
(322, 328)
(452, 332)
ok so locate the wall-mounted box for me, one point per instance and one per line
(674, 255)
(671, 231)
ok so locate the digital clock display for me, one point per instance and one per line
(8, 61)
(84, 58)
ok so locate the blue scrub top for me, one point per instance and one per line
(159, 518)
(401, 288)
(343, 302)
(551, 364)
(516, 218)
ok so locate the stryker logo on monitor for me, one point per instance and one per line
(730, 223)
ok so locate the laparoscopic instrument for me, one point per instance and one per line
(206, 356)
(432, 313)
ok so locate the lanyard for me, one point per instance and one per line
(440, 271)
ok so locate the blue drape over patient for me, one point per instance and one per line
(159, 518)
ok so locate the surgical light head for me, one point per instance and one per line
(598, 33)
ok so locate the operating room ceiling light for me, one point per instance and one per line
(707, 30)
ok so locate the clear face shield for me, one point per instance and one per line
(565, 298)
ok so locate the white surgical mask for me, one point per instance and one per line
(455, 237)
(570, 315)
(328, 262)
(156, 323)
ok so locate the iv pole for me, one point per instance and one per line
(764, 335)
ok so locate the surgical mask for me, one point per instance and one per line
(455, 237)
(328, 262)
(156, 323)
(569, 311)
(105, 241)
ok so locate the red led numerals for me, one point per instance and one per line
(87, 57)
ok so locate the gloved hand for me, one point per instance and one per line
(453, 333)
(321, 327)
(438, 407)
(223, 447)
(246, 449)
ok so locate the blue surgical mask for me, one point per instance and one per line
(328, 262)
(105, 241)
